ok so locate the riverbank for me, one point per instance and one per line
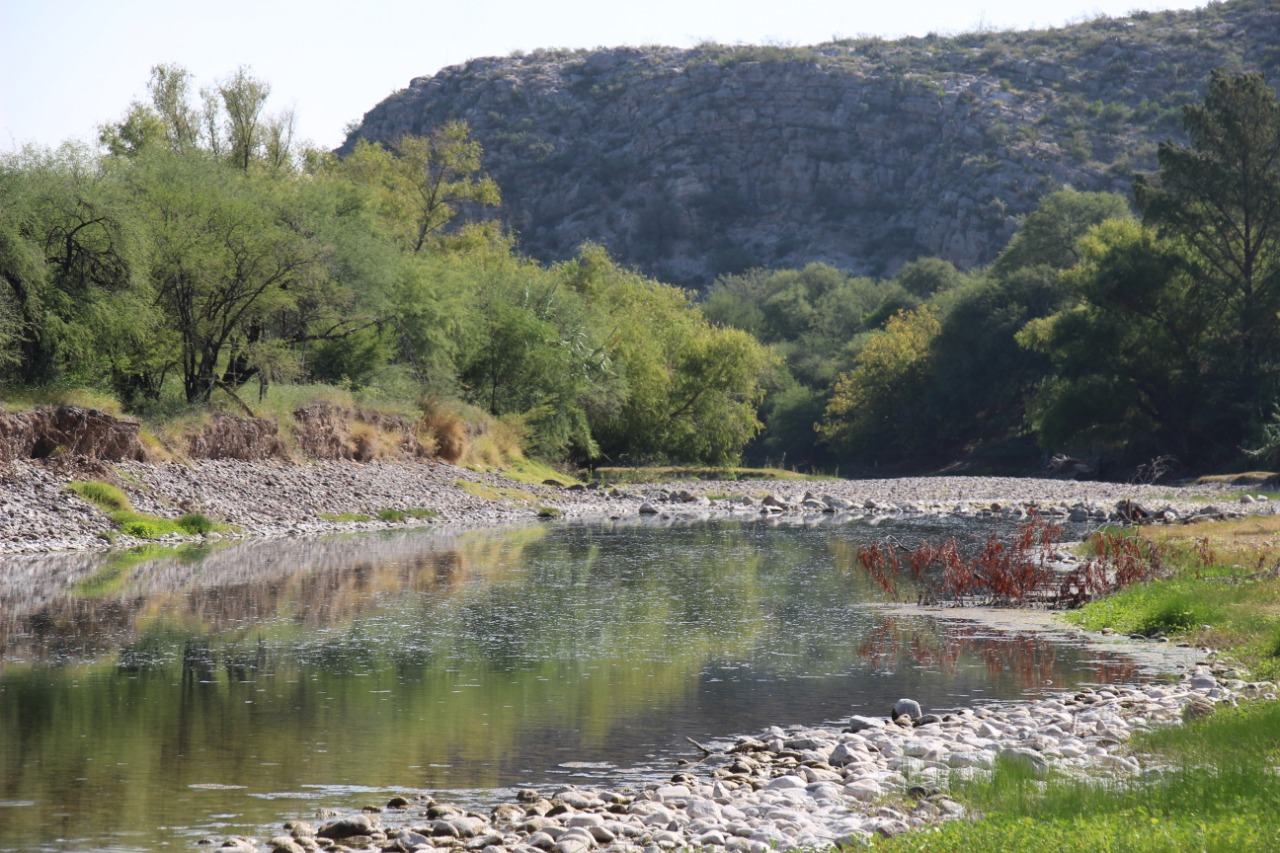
(784, 787)
(800, 787)
(268, 498)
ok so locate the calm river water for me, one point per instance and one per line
(148, 700)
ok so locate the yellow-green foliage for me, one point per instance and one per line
(401, 515)
(872, 404)
(497, 443)
(86, 398)
(103, 495)
(138, 524)
(535, 473)
(498, 494)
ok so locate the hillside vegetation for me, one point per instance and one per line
(199, 260)
(863, 153)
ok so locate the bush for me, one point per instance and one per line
(141, 526)
(446, 429)
(196, 524)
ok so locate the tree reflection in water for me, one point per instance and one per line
(1032, 659)
(176, 688)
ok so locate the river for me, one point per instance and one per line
(152, 698)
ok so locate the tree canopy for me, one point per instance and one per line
(201, 251)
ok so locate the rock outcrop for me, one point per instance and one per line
(861, 153)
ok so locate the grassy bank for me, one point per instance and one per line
(1217, 783)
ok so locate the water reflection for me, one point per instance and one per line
(218, 691)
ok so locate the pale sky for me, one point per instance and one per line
(68, 66)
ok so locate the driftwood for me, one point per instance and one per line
(706, 750)
(1072, 467)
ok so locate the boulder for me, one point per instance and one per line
(907, 708)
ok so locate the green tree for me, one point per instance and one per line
(1130, 376)
(1173, 342)
(926, 277)
(666, 383)
(64, 254)
(223, 260)
(170, 91)
(1049, 235)
(874, 414)
(814, 319)
(419, 185)
(1220, 196)
(243, 97)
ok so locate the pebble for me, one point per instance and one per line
(279, 499)
(884, 780)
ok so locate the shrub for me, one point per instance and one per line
(1002, 573)
(141, 526)
(196, 524)
(1175, 613)
(448, 432)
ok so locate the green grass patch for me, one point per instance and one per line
(344, 517)
(497, 494)
(1218, 793)
(102, 495)
(196, 524)
(535, 473)
(399, 516)
(548, 512)
(1170, 607)
(139, 525)
(1247, 478)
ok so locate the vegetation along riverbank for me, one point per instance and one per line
(209, 331)
(1211, 587)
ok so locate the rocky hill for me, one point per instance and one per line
(861, 153)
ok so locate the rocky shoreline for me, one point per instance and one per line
(785, 788)
(272, 498)
(800, 787)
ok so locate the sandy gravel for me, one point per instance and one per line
(39, 514)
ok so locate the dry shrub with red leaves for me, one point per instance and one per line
(1003, 573)
(1118, 561)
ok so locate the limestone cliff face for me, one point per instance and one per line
(863, 154)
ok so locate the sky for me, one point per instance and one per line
(69, 66)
